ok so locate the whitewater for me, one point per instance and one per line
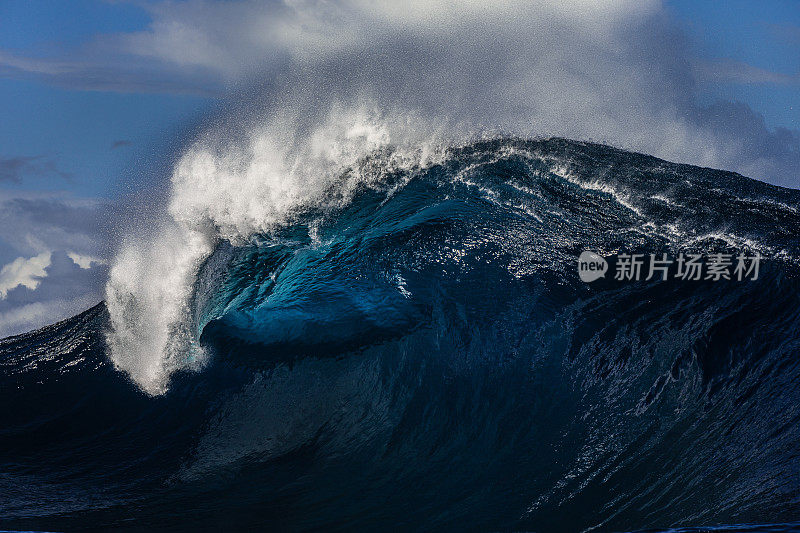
(224, 191)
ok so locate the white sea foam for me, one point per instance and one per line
(147, 295)
(232, 191)
(620, 197)
(666, 200)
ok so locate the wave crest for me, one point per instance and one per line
(230, 191)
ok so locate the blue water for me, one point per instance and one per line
(425, 357)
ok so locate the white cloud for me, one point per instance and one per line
(84, 261)
(35, 222)
(38, 314)
(17, 320)
(233, 39)
(24, 272)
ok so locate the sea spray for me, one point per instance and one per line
(232, 191)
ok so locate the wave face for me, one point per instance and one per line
(410, 347)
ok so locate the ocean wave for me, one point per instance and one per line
(411, 319)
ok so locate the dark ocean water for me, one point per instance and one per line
(426, 357)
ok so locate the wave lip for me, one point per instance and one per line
(228, 192)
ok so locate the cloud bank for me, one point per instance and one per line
(53, 254)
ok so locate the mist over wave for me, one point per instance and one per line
(624, 73)
(225, 190)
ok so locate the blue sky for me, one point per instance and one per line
(96, 98)
(765, 35)
(99, 138)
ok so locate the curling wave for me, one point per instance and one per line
(410, 320)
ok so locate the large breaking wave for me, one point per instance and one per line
(229, 188)
(376, 333)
